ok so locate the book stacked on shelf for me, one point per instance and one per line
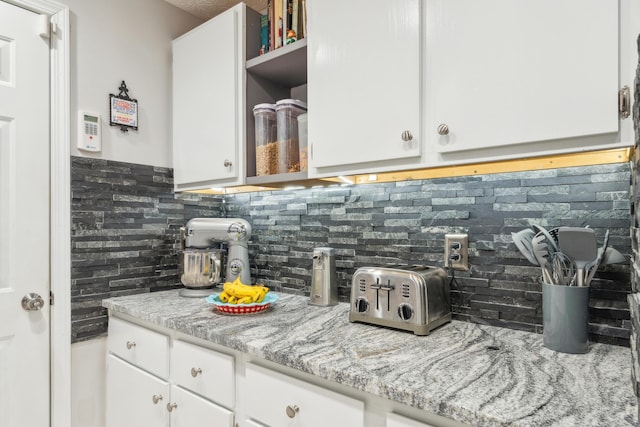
(284, 22)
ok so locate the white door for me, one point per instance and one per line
(24, 218)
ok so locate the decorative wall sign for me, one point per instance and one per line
(124, 110)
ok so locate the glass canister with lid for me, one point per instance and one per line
(287, 112)
(266, 139)
(302, 141)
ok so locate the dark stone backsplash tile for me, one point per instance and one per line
(125, 225)
(405, 223)
(126, 220)
(634, 298)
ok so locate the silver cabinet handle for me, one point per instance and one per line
(32, 302)
(292, 411)
(130, 344)
(156, 398)
(171, 406)
(443, 130)
(624, 102)
(195, 372)
(227, 163)
(407, 136)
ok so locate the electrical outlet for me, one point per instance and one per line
(456, 251)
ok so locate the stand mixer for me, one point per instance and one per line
(202, 259)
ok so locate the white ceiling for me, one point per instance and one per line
(207, 9)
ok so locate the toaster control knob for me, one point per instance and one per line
(362, 305)
(405, 311)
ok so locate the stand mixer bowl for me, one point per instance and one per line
(200, 268)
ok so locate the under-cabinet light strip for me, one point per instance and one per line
(586, 158)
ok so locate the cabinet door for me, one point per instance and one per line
(277, 400)
(190, 410)
(208, 89)
(364, 81)
(499, 72)
(135, 398)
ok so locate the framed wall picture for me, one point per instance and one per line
(123, 110)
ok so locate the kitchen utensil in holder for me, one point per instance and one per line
(565, 318)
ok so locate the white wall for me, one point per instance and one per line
(88, 383)
(111, 41)
(130, 40)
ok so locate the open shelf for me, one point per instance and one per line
(286, 66)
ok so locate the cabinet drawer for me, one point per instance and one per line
(206, 372)
(143, 347)
(395, 420)
(277, 400)
(194, 411)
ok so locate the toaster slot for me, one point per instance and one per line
(376, 286)
(381, 286)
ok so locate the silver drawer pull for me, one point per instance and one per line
(130, 344)
(171, 406)
(443, 130)
(292, 411)
(156, 398)
(195, 372)
(406, 136)
(227, 163)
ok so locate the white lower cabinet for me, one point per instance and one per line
(203, 371)
(153, 381)
(160, 378)
(191, 410)
(139, 346)
(395, 420)
(134, 397)
(276, 400)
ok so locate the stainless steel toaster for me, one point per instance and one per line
(412, 298)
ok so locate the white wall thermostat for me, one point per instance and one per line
(89, 132)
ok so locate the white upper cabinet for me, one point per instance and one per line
(364, 84)
(208, 103)
(502, 73)
(407, 84)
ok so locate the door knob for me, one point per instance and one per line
(32, 302)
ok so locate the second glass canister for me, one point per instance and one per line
(287, 112)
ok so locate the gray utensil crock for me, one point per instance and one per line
(565, 317)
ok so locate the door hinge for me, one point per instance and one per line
(51, 298)
(624, 102)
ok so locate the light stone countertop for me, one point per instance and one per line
(476, 374)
